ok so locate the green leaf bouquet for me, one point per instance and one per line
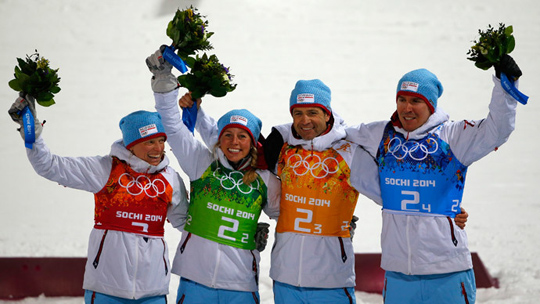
(207, 76)
(188, 32)
(491, 46)
(34, 77)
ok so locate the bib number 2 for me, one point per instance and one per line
(308, 218)
(223, 228)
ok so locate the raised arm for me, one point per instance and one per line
(83, 173)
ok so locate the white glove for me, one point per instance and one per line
(163, 80)
(15, 111)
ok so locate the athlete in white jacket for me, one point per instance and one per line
(423, 159)
(135, 192)
(217, 257)
(322, 175)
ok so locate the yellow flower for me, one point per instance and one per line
(43, 63)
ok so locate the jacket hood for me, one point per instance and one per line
(118, 149)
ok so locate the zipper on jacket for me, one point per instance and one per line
(342, 247)
(136, 267)
(300, 261)
(98, 255)
(218, 258)
(454, 239)
(164, 260)
(254, 268)
(409, 254)
(185, 243)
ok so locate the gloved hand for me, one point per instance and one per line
(261, 236)
(352, 225)
(508, 66)
(15, 111)
(163, 80)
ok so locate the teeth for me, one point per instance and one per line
(234, 150)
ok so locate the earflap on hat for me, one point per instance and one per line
(311, 93)
(423, 84)
(243, 119)
(140, 126)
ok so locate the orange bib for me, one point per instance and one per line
(316, 195)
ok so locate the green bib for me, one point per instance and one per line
(225, 210)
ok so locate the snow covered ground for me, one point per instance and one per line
(360, 48)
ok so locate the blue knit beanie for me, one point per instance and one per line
(140, 126)
(243, 119)
(423, 84)
(311, 93)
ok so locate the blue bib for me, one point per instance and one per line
(419, 176)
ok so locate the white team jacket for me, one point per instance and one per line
(198, 259)
(420, 245)
(305, 260)
(131, 266)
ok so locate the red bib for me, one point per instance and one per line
(133, 202)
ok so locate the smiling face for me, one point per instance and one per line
(235, 143)
(413, 112)
(151, 151)
(309, 122)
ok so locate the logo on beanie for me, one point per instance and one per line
(305, 98)
(148, 130)
(239, 119)
(409, 86)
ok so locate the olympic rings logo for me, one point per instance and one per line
(415, 150)
(319, 168)
(142, 183)
(228, 182)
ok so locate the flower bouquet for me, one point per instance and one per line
(34, 77)
(188, 30)
(188, 33)
(489, 51)
(207, 76)
(491, 46)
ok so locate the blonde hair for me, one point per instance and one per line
(250, 175)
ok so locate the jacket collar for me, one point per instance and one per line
(437, 118)
(321, 142)
(119, 150)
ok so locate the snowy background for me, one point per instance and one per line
(359, 48)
